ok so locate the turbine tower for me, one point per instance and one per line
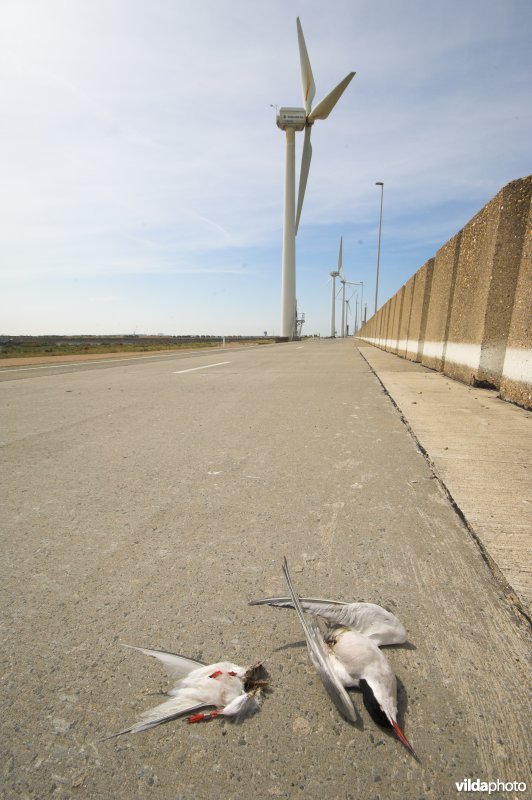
(291, 120)
(343, 279)
(335, 275)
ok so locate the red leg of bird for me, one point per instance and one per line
(202, 717)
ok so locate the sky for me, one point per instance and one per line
(142, 172)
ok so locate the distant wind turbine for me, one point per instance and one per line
(346, 303)
(348, 312)
(345, 282)
(335, 275)
(291, 120)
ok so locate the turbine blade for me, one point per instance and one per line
(325, 106)
(303, 173)
(308, 86)
(340, 263)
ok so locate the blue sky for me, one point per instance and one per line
(142, 170)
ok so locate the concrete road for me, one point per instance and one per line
(147, 502)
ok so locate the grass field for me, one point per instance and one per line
(21, 347)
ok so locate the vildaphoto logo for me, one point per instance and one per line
(477, 785)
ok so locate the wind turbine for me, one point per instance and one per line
(343, 280)
(348, 312)
(345, 283)
(335, 275)
(291, 120)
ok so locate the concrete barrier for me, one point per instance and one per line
(404, 322)
(517, 366)
(440, 303)
(467, 311)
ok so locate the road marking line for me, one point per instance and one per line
(89, 361)
(185, 354)
(205, 366)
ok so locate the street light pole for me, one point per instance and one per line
(381, 184)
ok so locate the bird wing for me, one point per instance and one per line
(286, 602)
(177, 666)
(320, 656)
(374, 622)
(369, 619)
(166, 712)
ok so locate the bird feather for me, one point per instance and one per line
(242, 707)
(320, 657)
(177, 666)
(165, 712)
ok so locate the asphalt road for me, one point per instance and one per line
(146, 502)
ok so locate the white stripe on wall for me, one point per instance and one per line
(517, 362)
(518, 365)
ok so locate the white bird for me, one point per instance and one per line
(349, 655)
(230, 690)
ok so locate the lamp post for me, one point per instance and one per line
(381, 184)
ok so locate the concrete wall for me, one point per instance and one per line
(517, 365)
(467, 312)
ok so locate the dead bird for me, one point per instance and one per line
(204, 691)
(348, 655)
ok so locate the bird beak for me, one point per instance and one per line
(402, 738)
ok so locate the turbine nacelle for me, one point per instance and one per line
(293, 118)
